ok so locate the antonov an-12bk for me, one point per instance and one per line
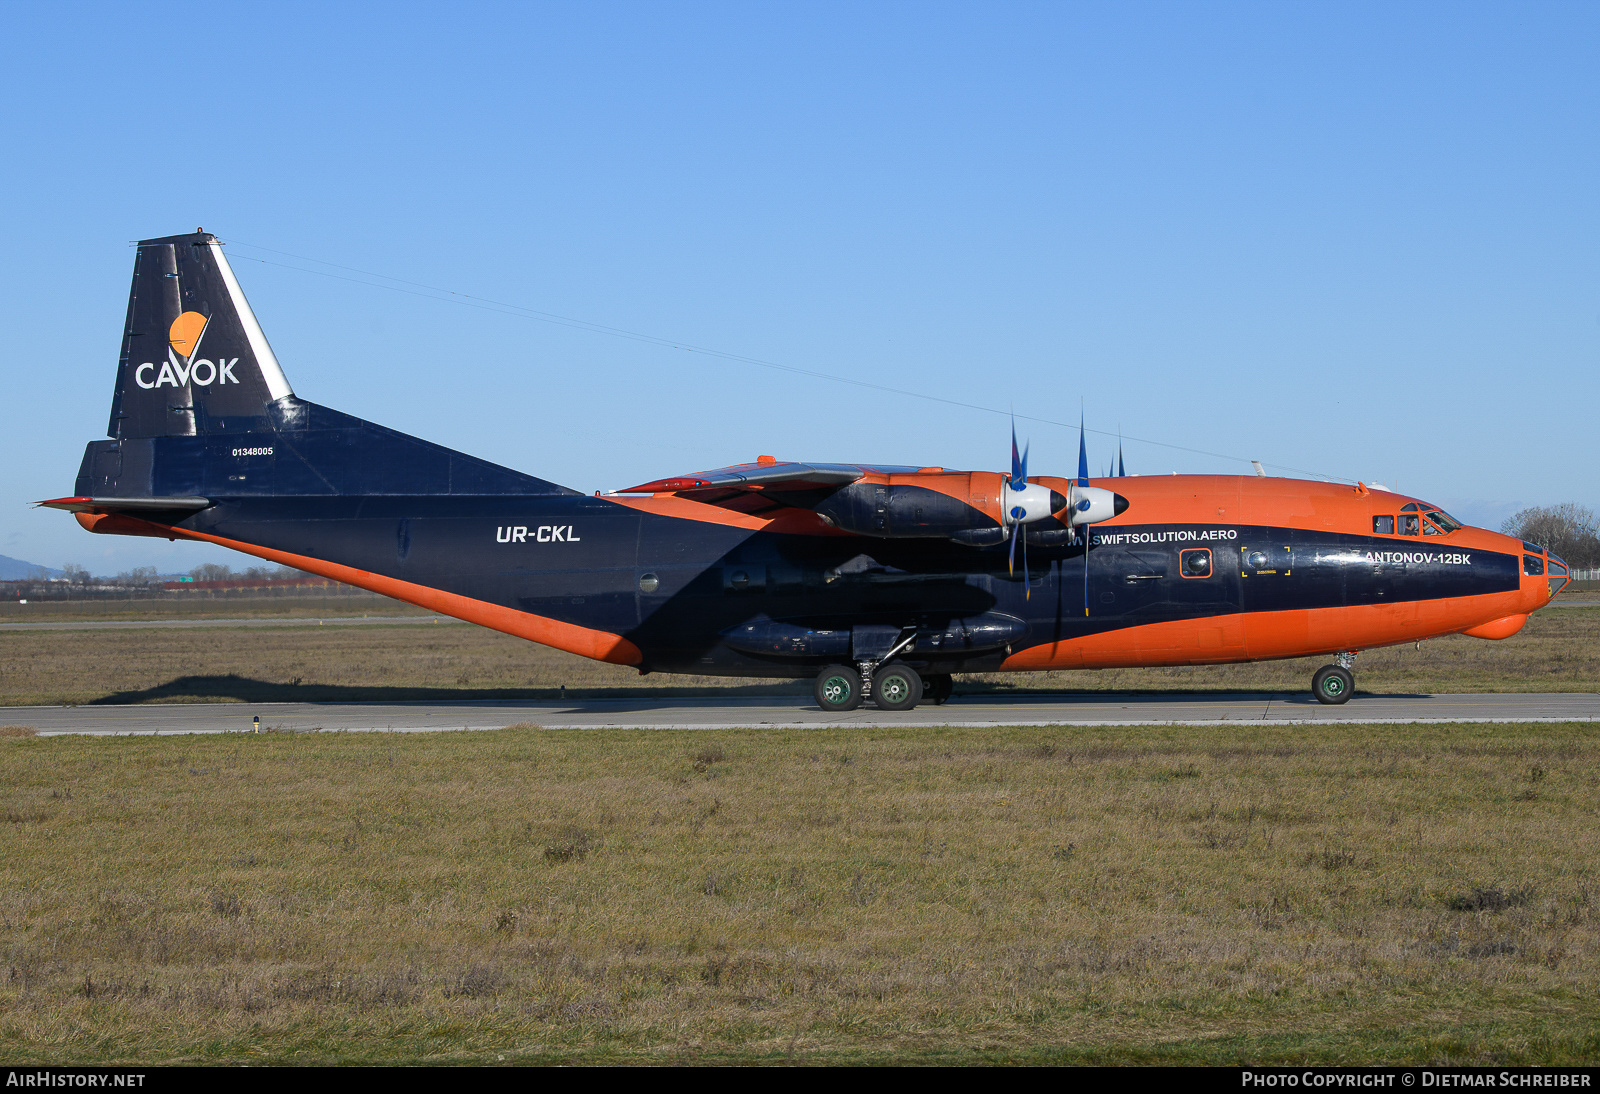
(881, 582)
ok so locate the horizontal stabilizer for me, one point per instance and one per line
(128, 505)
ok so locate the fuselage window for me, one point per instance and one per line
(1532, 565)
(1409, 524)
(1383, 526)
(1195, 562)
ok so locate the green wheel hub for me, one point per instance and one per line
(894, 688)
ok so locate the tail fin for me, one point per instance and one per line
(202, 410)
(194, 359)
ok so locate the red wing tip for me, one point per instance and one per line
(67, 503)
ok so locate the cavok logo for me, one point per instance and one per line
(180, 367)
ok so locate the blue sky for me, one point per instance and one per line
(1349, 240)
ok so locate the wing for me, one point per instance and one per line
(767, 484)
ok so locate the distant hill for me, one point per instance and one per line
(14, 569)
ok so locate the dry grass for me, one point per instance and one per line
(1559, 650)
(338, 601)
(18, 731)
(1263, 894)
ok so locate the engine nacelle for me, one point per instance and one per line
(902, 510)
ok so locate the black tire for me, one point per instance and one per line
(937, 687)
(1333, 685)
(896, 686)
(838, 688)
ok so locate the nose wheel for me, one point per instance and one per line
(1333, 684)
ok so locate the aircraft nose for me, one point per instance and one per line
(1543, 574)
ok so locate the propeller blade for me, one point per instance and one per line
(1027, 586)
(1086, 572)
(1083, 455)
(1019, 464)
(1016, 533)
(1122, 469)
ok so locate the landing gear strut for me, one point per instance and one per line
(893, 685)
(1334, 684)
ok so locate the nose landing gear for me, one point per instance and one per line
(1334, 684)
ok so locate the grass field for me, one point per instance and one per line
(1182, 895)
(1559, 650)
(341, 600)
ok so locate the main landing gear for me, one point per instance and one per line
(1334, 684)
(892, 685)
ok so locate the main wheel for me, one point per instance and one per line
(936, 688)
(896, 687)
(838, 688)
(1333, 685)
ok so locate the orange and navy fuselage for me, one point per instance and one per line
(1196, 570)
(765, 569)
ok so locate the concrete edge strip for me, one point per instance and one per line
(874, 724)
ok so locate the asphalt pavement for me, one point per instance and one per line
(786, 712)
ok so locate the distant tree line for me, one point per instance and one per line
(1568, 530)
(210, 571)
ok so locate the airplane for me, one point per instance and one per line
(881, 583)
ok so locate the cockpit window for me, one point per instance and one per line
(1383, 526)
(1532, 565)
(1534, 547)
(1409, 524)
(1444, 520)
(1409, 507)
(1431, 529)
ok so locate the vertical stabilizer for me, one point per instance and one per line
(194, 359)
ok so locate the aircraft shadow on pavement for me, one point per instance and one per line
(244, 689)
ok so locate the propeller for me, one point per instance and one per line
(1083, 505)
(1022, 502)
(1092, 504)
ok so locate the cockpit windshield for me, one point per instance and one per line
(1444, 520)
